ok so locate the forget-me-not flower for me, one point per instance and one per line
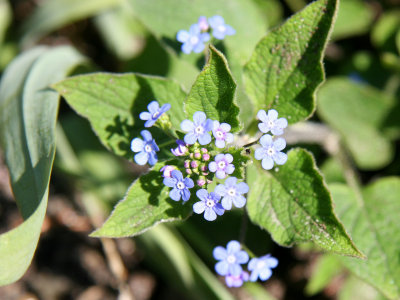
(222, 134)
(198, 130)
(193, 40)
(230, 259)
(147, 149)
(222, 165)
(270, 122)
(180, 186)
(261, 267)
(209, 204)
(231, 192)
(270, 152)
(236, 281)
(154, 113)
(220, 29)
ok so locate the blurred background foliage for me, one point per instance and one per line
(362, 64)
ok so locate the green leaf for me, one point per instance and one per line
(5, 19)
(326, 268)
(358, 112)
(213, 92)
(354, 18)
(28, 111)
(384, 32)
(372, 219)
(146, 204)
(294, 205)
(286, 68)
(112, 104)
(356, 289)
(53, 14)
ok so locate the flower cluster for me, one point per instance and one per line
(270, 151)
(232, 257)
(203, 159)
(198, 34)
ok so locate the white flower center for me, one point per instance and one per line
(270, 151)
(219, 134)
(260, 264)
(180, 185)
(194, 40)
(210, 203)
(148, 148)
(231, 259)
(271, 123)
(155, 115)
(199, 129)
(232, 192)
(221, 164)
(221, 28)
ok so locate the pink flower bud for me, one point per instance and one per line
(181, 150)
(203, 24)
(188, 171)
(201, 182)
(204, 150)
(167, 170)
(186, 164)
(194, 164)
(206, 157)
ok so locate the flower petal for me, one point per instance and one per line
(239, 201)
(141, 158)
(219, 253)
(279, 144)
(190, 138)
(232, 247)
(202, 194)
(145, 116)
(265, 274)
(204, 139)
(220, 189)
(280, 158)
(266, 140)
(227, 203)
(137, 145)
(152, 158)
(242, 257)
(199, 117)
(182, 36)
(235, 269)
(153, 107)
(262, 115)
(242, 188)
(146, 135)
(186, 195)
(175, 194)
(209, 214)
(187, 48)
(272, 114)
(267, 163)
(187, 126)
(188, 182)
(212, 166)
(259, 153)
(222, 268)
(229, 158)
(170, 182)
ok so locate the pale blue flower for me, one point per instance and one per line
(270, 152)
(221, 134)
(147, 149)
(154, 113)
(261, 267)
(232, 192)
(198, 130)
(193, 40)
(222, 165)
(180, 186)
(230, 259)
(209, 204)
(270, 122)
(220, 29)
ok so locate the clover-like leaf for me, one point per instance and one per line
(286, 66)
(146, 204)
(213, 92)
(372, 218)
(294, 205)
(112, 104)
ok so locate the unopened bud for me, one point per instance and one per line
(206, 157)
(201, 182)
(189, 171)
(167, 170)
(194, 164)
(186, 164)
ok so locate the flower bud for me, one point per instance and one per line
(186, 164)
(167, 170)
(194, 164)
(201, 182)
(181, 150)
(197, 154)
(189, 171)
(206, 157)
(204, 150)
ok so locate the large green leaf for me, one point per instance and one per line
(294, 205)
(213, 92)
(146, 204)
(358, 112)
(28, 111)
(354, 18)
(112, 104)
(372, 219)
(286, 66)
(53, 14)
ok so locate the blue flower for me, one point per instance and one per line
(261, 267)
(198, 129)
(154, 113)
(220, 29)
(237, 281)
(232, 193)
(208, 204)
(147, 149)
(230, 259)
(222, 165)
(271, 122)
(270, 152)
(180, 186)
(222, 134)
(193, 40)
